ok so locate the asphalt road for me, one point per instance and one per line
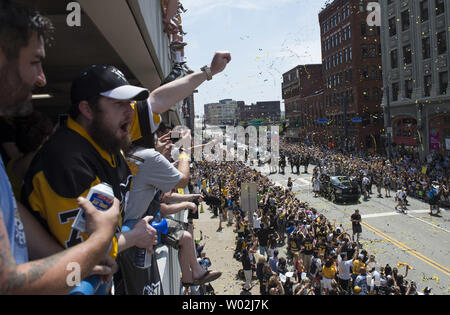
(418, 239)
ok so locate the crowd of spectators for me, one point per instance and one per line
(321, 258)
(402, 172)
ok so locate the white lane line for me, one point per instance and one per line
(433, 225)
(388, 214)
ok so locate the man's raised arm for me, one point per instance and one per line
(166, 96)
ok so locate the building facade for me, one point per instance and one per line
(416, 59)
(226, 112)
(352, 73)
(302, 91)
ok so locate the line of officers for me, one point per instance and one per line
(295, 160)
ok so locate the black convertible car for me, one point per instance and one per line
(339, 188)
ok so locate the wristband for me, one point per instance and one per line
(208, 72)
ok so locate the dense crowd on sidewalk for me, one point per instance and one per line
(321, 258)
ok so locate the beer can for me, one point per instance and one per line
(102, 197)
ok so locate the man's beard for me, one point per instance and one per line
(14, 92)
(105, 138)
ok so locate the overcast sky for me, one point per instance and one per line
(265, 38)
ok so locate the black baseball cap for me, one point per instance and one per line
(100, 80)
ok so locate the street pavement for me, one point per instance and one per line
(415, 238)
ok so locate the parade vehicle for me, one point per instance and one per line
(339, 188)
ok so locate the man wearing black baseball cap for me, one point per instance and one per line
(107, 114)
(86, 152)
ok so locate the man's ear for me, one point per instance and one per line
(85, 110)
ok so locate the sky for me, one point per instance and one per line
(266, 38)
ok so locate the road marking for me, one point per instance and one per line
(388, 214)
(409, 250)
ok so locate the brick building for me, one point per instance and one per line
(302, 91)
(351, 57)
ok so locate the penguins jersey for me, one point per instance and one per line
(68, 165)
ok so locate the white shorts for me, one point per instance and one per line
(326, 283)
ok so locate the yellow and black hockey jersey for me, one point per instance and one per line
(68, 165)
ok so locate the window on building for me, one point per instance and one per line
(442, 42)
(408, 88)
(394, 59)
(443, 83)
(364, 73)
(407, 55)
(395, 91)
(426, 48)
(372, 50)
(427, 85)
(440, 7)
(364, 51)
(392, 27)
(405, 20)
(424, 15)
(364, 29)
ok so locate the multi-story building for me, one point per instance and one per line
(416, 61)
(351, 57)
(302, 91)
(226, 112)
(269, 111)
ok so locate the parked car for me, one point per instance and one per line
(339, 188)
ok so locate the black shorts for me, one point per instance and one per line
(434, 202)
(356, 229)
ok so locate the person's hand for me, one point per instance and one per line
(220, 61)
(106, 268)
(191, 206)
(144, 235)
(199, 196)
(164, 145)
(100, 223)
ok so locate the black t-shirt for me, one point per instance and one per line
(356, 217)
(308, 244)
(263, 236)
(246, 263)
